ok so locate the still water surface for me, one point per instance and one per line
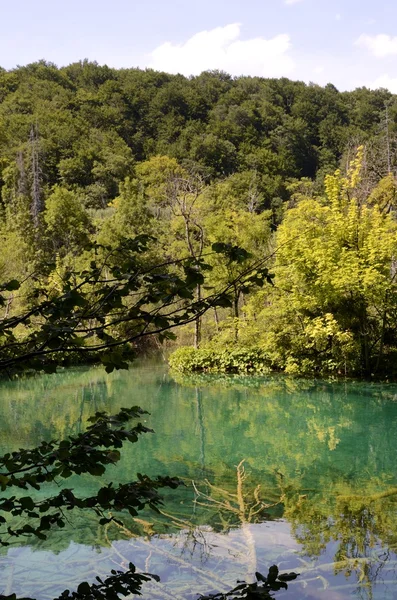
(297, 473)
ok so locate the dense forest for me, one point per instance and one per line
(279, 192)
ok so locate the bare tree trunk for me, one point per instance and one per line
(385, 315)
(216, 319)
(382, 340)
(37, 201)
(8, 306)
(365, 351)
(197, 323)
(22, 182)
(181, 196)
(236, 313)
(388, 141)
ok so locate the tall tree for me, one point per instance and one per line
(335, 298)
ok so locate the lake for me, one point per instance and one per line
(298, 473)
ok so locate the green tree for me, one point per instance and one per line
(333, 307)
(67, 222)
(245, 236)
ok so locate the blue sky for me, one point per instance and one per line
(349, 43)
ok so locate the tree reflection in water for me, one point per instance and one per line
(323, 454)
(223, 541)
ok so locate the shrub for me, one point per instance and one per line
(205, 360)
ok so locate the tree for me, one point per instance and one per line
(245, 236)
(215, 153)
(67, 223)
(104, 309)
(174, 194)
(90, 306)
(333, 308)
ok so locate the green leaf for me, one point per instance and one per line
(220, 247)
(3, 482)
(114, 456)
(27, 503)
(288, 576)
(12, 286)
(84, 588)
(224, 302)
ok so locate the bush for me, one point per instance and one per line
(205, 360)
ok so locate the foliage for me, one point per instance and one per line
(92, 157)
(260, 589)
(275, 261)
(89, 452)
(333, 306)
(119, 583)
(84, 453)
(100, 309)
(95, 124)
(67, 223)
(235, 360)
(89, 306)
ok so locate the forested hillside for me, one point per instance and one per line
(91, 157)
(90, 125)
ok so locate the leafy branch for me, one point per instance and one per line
(88, 452)
(86, 317)
(120, 582)
(260, 589)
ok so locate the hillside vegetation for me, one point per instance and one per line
(280, 192)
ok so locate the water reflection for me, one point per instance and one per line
(277, 470)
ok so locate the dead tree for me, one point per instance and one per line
(22, 189)
(181, 194)
(37, 204)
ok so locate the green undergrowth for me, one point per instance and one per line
(205, 360)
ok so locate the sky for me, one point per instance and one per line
(349, 43)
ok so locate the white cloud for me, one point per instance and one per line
(338, 17)
(289, 2)
(384, 81)
(221, 48)
(380, 45)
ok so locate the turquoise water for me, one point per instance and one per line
(298, 473)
